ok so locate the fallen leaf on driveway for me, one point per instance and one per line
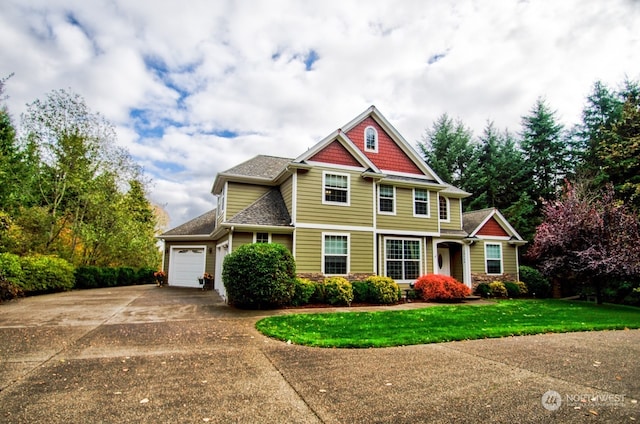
(145, 400)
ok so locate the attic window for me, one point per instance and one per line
(370, 140)
(443, 209)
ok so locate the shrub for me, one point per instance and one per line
(46, 274)
(498, 289)
(259, 275)
(382, 290)
(303, 289)
(11, 268)
(87, 277)
(483, 290)
(361, 292)
(8, 290)
(513, 290)
(537, 284)
(338, 291)
(145, 276)
(441, 287)
(522, 287)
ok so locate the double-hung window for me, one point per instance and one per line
(262, 238)
(402, 259)
(335, 254)
(493, 258)
(420, 202)
(386, 197)
(336, 189)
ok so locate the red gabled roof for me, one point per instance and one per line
(389, 156)
(335, 153)
(492, 228)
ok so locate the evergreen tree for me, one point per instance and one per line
(448, 149)
(545, 151)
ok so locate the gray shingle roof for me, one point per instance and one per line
(261, 166)
(269, 209)
(199, 226)
(471, 220)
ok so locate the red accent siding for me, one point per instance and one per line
(337, 154)
(492, 228)
(389, 157)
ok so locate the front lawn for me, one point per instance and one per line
(447, 323)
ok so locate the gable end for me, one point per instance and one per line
(335, 153)
(492, 228)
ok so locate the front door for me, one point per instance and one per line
(444, 261)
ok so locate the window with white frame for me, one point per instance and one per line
(370, 139)
(420, 202)
(336, 254)
(443, 208)
(386, 199)
(402, 258)
(336, 188)
(262, 238)
(493, 258)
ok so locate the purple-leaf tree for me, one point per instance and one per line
(588, 238)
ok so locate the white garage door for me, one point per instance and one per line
(187, 265)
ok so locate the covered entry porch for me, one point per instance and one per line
(452, 257)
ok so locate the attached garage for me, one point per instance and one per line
(187, 264)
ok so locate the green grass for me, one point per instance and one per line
(447, 323)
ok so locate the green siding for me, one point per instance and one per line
(309, 250)
(455, 223)
(240, 238)
(239, 196)
(286, 189)
(310, 208)
(284, 239)
(404, 219)
(509, 258)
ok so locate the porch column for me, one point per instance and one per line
(466, 265)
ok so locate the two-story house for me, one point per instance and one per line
(359, 202)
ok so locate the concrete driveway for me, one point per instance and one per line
(148, 354)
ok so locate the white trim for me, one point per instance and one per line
(428, 215)
(486, 270)
(420, 255)
(384, 231)
(375, 134)
(348, 236)
(497, 238)
(342, 138)
(466, 265)
(448, 204)
(393, 199)
(324, 184)
(326, 165)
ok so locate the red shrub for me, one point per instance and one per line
(440, 287)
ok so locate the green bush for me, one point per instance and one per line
(87, 277)
(43, 274)
(361, 291)
(513, 290)
(537, 284)
(522, 287)
(498, 289)
(382, 290)
(303, 290)
(338, 291)
(126, 276)
(259, 275)
(483, 290)
(145, 276)
(11, 268)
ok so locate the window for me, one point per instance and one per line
(493, 258)
(370, 139)
(386, 195)
(336, 252)
(336, 189)
(262, 238)
(443, 208)
(420, 202)
(402, 259)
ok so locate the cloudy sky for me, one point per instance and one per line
(196, 87)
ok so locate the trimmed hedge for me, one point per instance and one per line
(338, 291)
(91, 277)
(259, 275)
(382, 290)
(44, 274)
(303, 290)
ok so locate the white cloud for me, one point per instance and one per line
(194, 72)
